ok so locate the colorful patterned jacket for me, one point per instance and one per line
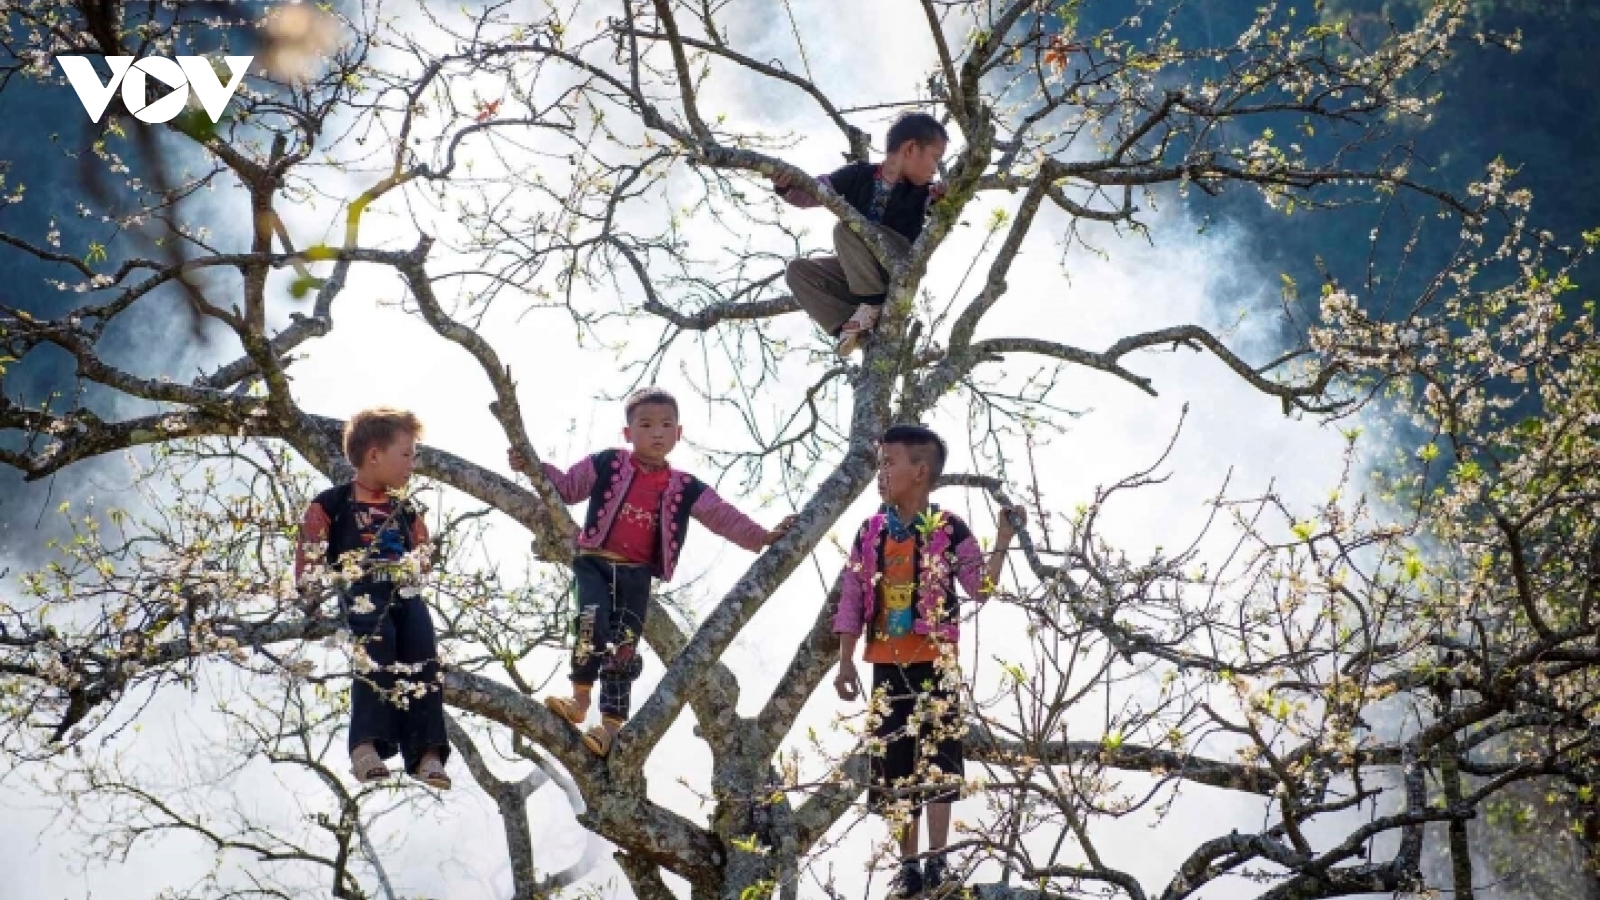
(946, 554)
(603, 479)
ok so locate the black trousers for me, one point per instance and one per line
(613, 600)
(921, 731)
(399, 704)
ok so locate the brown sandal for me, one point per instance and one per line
(367, 766)
(856, 329)
(566, 708)
(598, 739)
(431, 773)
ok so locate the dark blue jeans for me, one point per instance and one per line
(612, 602)
(399, 630)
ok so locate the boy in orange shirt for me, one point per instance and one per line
(899, 587)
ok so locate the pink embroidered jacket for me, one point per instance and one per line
(603, 480)
(946, 555)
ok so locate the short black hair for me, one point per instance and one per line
(919, 127)
(923, 444)
(648, 396)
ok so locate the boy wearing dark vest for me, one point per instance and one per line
(845, 293)
(636, 524)
(374, 544)
(899, 588)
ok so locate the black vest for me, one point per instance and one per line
(608, 479)
(343, 533)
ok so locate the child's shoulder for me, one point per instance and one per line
(854, 171)
(686, 476)
(873, 522)
(332, 496)
(957, 526)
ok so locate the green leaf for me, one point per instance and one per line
(1413, 566)
(302, 285)
(1113, 740)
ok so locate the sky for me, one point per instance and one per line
(860, 52)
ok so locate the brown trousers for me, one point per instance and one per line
(830, 288)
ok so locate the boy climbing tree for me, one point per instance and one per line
(845, 292)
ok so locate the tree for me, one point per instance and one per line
(530, 158)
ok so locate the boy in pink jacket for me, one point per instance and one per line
(636, 524)
(899, 587)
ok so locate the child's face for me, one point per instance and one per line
(900, 476)
(920, 162)
(390, 467)
(653, 430)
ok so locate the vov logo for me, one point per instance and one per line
(188, 73)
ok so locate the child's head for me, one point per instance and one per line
(910, 459)
(653, 428)
(382, 444)
(917, 140)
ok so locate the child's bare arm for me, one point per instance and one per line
(420, 536)
(1011, 518)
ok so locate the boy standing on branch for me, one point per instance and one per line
(638, 517)
(899, 588)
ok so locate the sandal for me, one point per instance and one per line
(855, 329)
(367, 766)
(598, 739)
(566, 708)
(431, 773)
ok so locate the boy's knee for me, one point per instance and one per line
(795, 272)
(367, 626)
(625, 665)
